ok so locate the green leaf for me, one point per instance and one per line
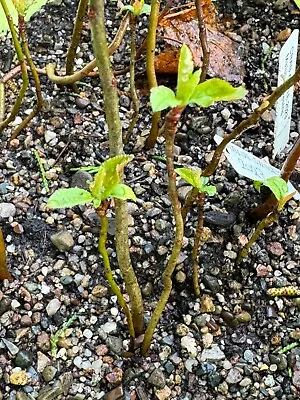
(193, 178)
(257, 185)
(210, 190)
(186, 79)
(123, 192)
(108, 176)
(297, 2)
(215, 89)
(71, 197)
(277, 185)
(127, 8)
(162, 97)
(146, 9)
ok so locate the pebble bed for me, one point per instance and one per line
(222, 347)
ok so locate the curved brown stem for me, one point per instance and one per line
(79, 75)
(172, 120)
(203, 40)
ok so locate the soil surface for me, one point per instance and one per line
(224, 346)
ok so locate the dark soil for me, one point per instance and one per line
(223, 347)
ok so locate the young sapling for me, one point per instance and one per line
(188, 91)
(202, 234)
(281, 192)
(106, 185)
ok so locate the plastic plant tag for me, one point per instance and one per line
(287, 67)
(250, 166)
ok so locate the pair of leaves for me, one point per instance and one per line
(196, 180)
(106, 185)
(138, 8)
(190, 91)
(278, 187)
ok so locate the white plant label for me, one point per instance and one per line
(287, 67)
(250, 166)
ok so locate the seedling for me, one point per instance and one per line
(59, 334)
(42, 170)
(106, 185)
(280, 190)
(200, 183)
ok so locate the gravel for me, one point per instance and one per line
(222, 346)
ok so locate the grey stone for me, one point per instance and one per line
(220, 219)
(296, 379)
(12, 348)
(157, 379)
(52, 307)
(115, 344)
(234, 376)
(248, 356)
(245, 382)
(7, 210)
(213, 354)
(80, 179)
(4, 305)
(82, 102)
(62, 240)
(211, 283)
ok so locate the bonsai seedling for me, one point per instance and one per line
(280, 190)
(200, 183)
(106, 185)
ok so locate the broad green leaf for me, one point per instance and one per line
(215, 89)
(186, 79)
(63, 198)
(210, 190)
(190, 176)
(162, 97)
(31, 7)
(146, 9)
(123, 192)
(127, 8)
(277, 185)
(297, 2)
(108, 176)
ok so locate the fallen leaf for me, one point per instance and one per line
(182, 27)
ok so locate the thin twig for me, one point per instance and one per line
(203, 40)
(77, 29)
(21, 59)
(134, 97)
(172, 120)
(38, 107)
(150, 68)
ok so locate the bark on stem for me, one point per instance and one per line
(203, 40)
(21, 59)
(271, 203)
(81, 11)
(109, 276)
(150, 68)
(172, 120)
(111, 108)
(33, 70)
(134, 97)
(197, 241)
